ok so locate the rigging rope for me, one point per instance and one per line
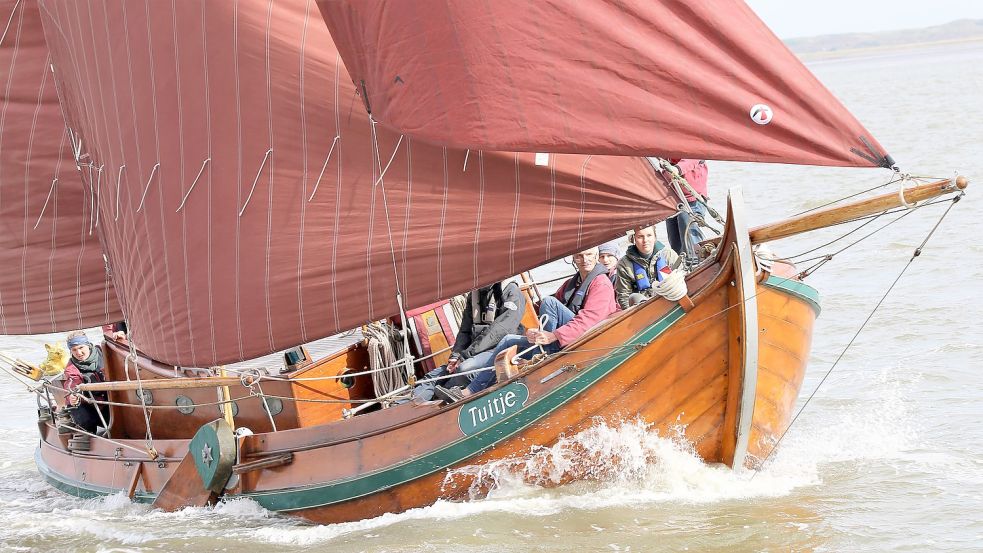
(132, 358)
(678, 180)
(871, 218)
(385, 347)
(407, 356)
(458, 305)
(918, 252)
(895, 177)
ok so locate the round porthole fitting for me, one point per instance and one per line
(146, 397)
(235, 408)
(184, 405)
(272, 405)
(346, 380)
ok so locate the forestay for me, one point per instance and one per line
(669, 78)
(252, 208)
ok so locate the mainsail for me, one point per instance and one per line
(53, 274)
(258, 209)
(670, 78)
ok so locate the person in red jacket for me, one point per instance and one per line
(578, 305)
(85, 366)
(581, 302)
(695, 172)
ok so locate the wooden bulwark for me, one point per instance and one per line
(169, 422)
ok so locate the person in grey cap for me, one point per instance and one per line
(608, 255)
(85, 366)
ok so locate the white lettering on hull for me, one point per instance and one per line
(493, 407)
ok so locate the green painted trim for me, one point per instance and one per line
(80, 489)
(798, 289)
(343, 490)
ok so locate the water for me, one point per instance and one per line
(887, 457)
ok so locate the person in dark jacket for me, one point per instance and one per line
(492, 313)
(85, 366)
(644, 265)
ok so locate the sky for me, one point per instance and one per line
(797, 18)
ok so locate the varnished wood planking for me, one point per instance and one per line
(784, 348)
(168, 422)
(313, 413)
(704, 432)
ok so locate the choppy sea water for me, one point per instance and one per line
(887, 456)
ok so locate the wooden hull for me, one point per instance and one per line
(677, 371)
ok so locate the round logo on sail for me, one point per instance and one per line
(761, 114)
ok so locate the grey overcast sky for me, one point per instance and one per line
(796, 18)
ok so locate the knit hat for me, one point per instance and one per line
(610, 248)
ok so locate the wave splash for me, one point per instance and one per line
(623, 464)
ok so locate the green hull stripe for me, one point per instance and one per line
(796, 288)
(344, 490)
(82, 489)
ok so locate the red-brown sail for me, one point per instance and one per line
(252, 213)
(670, 78)
(53, 275)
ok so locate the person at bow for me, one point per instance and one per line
(681, 240)
(581, 302)
(644, 265)
(492, 313)
(86, 365)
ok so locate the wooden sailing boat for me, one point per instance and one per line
(238, 228)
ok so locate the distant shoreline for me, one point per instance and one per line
(858, 52)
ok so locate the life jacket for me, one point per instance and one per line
(481, 318)
(575, 292)
(642, 281)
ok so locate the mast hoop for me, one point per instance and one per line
(119, 184)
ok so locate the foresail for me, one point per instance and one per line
(255, 212)
(669, 78)
(52, 273)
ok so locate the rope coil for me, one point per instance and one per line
(673, 286)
